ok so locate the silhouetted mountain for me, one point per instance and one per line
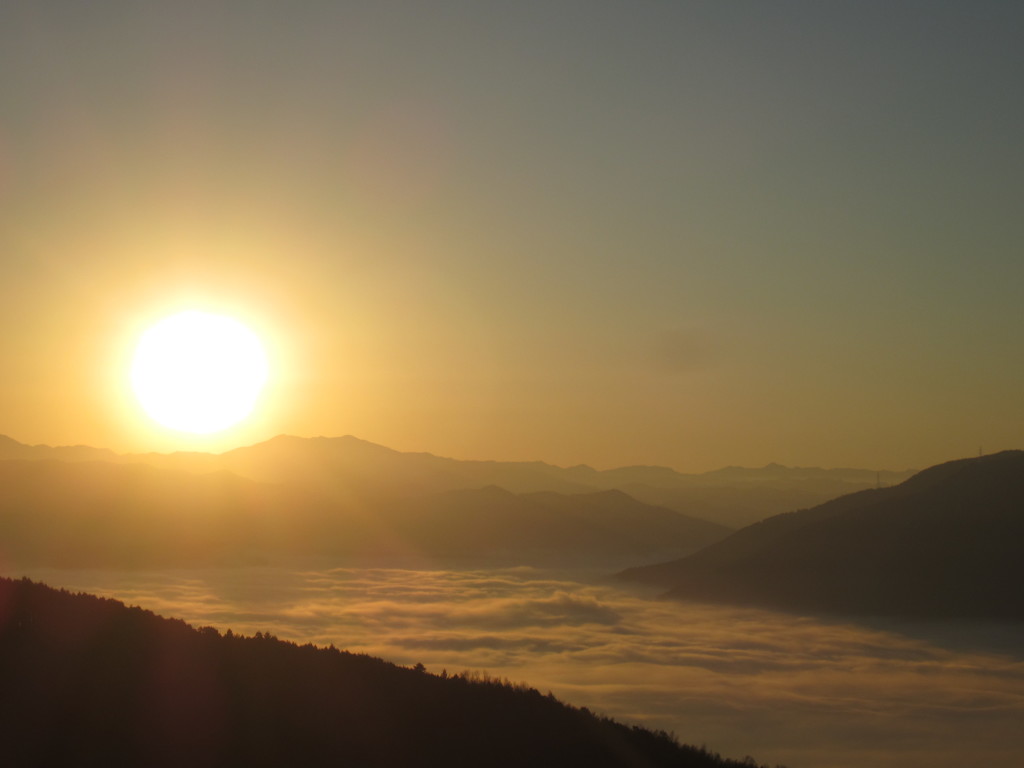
(493, 526)
(12, 449)
(945, 543)
(347, 468)
(111, 515)
(344, 465)
(740, 496)
(89, 682)
(135, 515)
(645, 528)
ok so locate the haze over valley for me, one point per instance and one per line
(407, 557)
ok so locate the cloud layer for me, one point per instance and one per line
(786, 689)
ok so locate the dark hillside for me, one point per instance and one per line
(945, 544)
(90, 682)
(644, 528)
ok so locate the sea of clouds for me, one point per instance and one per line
(805, 692)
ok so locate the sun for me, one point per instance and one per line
(198, 372)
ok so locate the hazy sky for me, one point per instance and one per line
(683, 233)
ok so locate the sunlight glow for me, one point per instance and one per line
(198, 372)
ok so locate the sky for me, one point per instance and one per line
(692, 234)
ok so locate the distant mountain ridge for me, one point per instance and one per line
(12, 449)
(347, 467)
(944, 543)
(292, 498)
(135, 515)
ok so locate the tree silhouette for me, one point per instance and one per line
(87, 681)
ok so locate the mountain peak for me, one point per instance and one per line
(944, 543)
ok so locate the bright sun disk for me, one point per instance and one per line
(198, 372)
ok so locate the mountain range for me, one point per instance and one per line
(347, 468)
(198, 509)
(940, 543)
(944, 544)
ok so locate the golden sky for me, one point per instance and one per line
(691, 234)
